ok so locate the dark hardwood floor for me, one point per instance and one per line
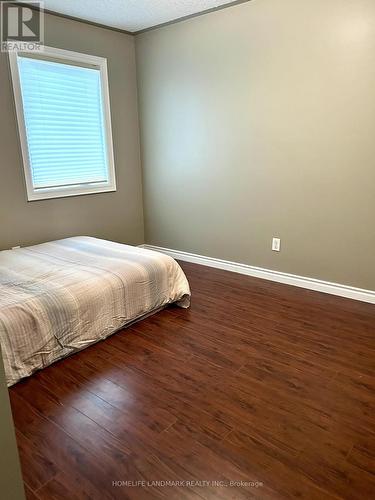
(262, 384)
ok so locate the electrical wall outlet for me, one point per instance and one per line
(276, 243)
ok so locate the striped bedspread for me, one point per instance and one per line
(59, 297)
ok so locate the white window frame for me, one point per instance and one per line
(67, 56)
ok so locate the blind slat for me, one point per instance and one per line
(64, 123)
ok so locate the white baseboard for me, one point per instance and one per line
(267, 274)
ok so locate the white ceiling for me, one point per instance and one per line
(131, 15)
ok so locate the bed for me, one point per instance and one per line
(62, 296)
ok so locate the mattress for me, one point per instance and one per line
(62, 296)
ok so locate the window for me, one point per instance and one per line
(62, 105)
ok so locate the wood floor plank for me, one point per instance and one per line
(29, 493)
(76, 424)
(59, 448)
(363, 456)
(70, 486)
(37, 469)
(262, 384)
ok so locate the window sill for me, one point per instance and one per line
(65, 193)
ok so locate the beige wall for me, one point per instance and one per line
(116, 216)
(259, 121)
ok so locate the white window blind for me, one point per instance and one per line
(64, 125)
